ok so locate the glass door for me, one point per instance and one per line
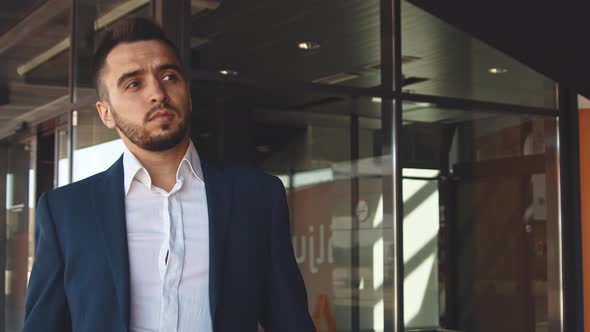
(17, 168)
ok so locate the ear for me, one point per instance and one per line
(104, 111)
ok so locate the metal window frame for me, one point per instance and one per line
(168, 12)
(3, 239)
(392, 96)
(391, 125)
(572, 311)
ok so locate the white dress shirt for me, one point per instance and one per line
(168, 239)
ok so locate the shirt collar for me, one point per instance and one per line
(134, 170)
(192, 160)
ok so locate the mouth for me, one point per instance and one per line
(162, 116)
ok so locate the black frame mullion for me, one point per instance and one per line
(380, 91)
(571, 255)
(354, 227)
(391, 125)
(174, 16)
(3, 166)
(479, 105)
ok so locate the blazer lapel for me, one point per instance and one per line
(219, 193)
(110, 215)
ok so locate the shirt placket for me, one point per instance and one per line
(175, 260)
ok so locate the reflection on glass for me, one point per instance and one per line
(421, 227)
(108, 11)
(35, 76)
(325, 222)
(15, 173)
(96, 16)
(326, 150)
(478, 219)
(96, 147)
(328, 42)
(63, 159)
(35, 68)
(96, 158)
(441, 60)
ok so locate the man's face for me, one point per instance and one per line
(147, 98)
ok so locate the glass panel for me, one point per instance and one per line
(62, 149)
(18, 193)
(35, 70)
(480, 219)
(441, 60)
(327, 151)
(330, 42)
(108, 11)
(95, 146)
(63, 160)
(13, 13)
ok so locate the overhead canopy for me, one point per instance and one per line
(551, 37)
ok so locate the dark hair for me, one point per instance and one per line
(128, 30)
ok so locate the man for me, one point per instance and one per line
(162, 240)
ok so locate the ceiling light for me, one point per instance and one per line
(308, 46)
(497, 70)
(228, 72)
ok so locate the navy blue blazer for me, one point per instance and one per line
(80, 276)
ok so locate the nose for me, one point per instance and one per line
(157, 92)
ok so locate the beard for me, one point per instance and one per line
(140, 136)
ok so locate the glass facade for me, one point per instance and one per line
(18, 214)
(438, 59)
(299, 90)
(480, 219)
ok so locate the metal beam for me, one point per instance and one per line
(101, 22)
(478, 105)
(200, 5)
(37, 19)
(83, 16)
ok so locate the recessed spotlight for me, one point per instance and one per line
(308, 46)
(228, 72)
(497, 70)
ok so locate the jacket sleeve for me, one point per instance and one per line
(286, 303)
(46, 307)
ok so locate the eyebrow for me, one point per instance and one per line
(168, 66)
(125, 76)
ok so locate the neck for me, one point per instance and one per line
(161, 165)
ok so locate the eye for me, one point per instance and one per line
(131, 84)
(169, 77)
